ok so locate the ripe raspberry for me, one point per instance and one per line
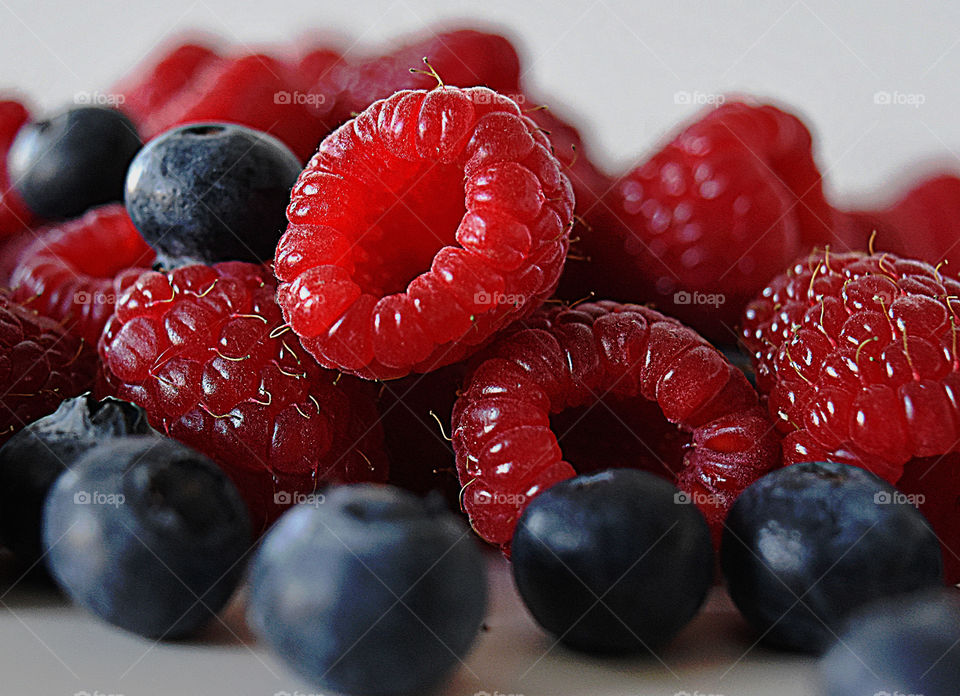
(204, 352)
(255, 91)
(161, 77)
(722, 208)
(858, 353)
(420, 228)
(614, 386)
(463, 58)
(40, 366)
(924, 223)
(14, 214)
(73, 272)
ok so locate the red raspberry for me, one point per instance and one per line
(462, 58)
(613, 386)
(722, 208)
(74, 271)
(203, 349)
(161, 77)
(255, 91)
(934, 486)
(859, 355)
(14, 214)
(40, 366)
(924, 223)
(419, 229)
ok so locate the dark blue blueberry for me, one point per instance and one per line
(147, 534)
(806, 544)
(74, 161)
(31, 461)
(898, 646)
(211, 192)
(370, 591)
(613, 562)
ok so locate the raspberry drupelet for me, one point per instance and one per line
(419, 229)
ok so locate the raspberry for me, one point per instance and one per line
(858, 353)
(613, 385)
(204, 352)
(74, 271)
(40, 366)
(420, 228)
(161, 77)
(255, 91)
(14, 214)
(924, 223)
(722, 208)
(463, 58)
(934, 486)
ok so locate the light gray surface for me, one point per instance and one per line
(48, 648)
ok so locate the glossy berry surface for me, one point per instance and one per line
(32, 460)
(204, 351)
(719, 210)
(40, 366)
(73, 272)
(904, 645)
(369, 575)
(807, 544)
(73, 161)
(147, 534)
(419, 229)
(604, 385)
(211, 192)
(604, 573)
(14, 215)
(858, 353)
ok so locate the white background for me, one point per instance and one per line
(616, 64)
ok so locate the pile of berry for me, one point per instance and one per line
(253, 284)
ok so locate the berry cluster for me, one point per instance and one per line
(243, 307)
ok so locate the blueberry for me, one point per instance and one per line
(204, 193)
(901, 645)
(147, 534)
(806, 544)
(369, 591)
(31, 461)
(74, 161)
(612, 562)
